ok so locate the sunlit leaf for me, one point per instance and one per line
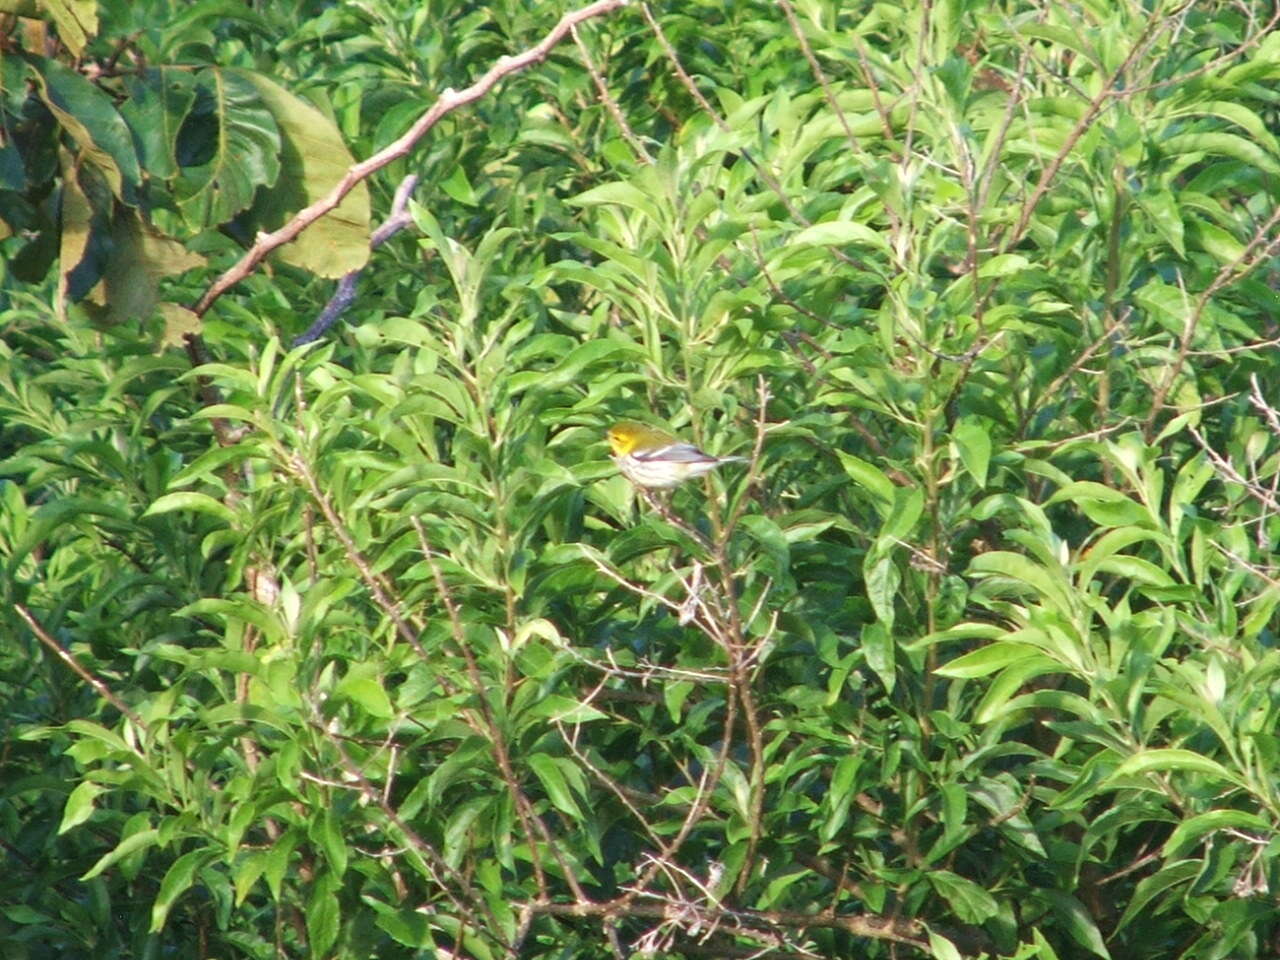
(312, 159)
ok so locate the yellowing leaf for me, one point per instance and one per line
(90, 118)
(76, 20)
(77, 219)
(228, 147)
(139, 258)
(313, 158)
(179, 323)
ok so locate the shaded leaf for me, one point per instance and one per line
(158, 103)
(90, 118)
(228, 147)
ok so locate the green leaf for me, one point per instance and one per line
(1162, 209)
(908, 504)
(323, 917)
(1088, 490)
(193, 502)
(1148, 888)
(1023, 570)
(882, 579)
(553, 781)
(25, 916)
(971, 903)
(462, 763)
(1167, 760)
(562, 709)
(998, 701)
(1073, 915)
(279, 856)
(1190, 832)
(573, 366)
(57, 516)
(459, 187)
(988, 659)
(974, 443)
(879, 649)
(674, 695)
(363, 685)
(774, 543)
(779, 885)
(954, 815)
(869, 477)
(407, 926)
(1059, 36)
(942, 948)
(1135, 568)
(79, 806)
(1219, 243)
(159, 99)
(1003, 265)
(138, 841)
(839, 798)
(177, 880)
(840, 233)
(326, 833)
(1221, 144)
(623, 194)
(247, 872)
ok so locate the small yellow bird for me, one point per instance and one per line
(653, 458)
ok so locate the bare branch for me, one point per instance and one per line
(748, 922)
(818, 73)
(397, 220)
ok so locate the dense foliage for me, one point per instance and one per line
(364, 649)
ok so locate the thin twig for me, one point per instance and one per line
(769, 179)
(818, 73)
(872, 928)
(437, 866)
(1079, 362)
(381, 591)
(1228, 472)
(1261, 247)
(105, 692)
(753, 464)
(524, 809)
(1110, 90)
(610, 104)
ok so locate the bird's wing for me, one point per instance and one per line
(675, 453)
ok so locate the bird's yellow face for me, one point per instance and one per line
(622, 438)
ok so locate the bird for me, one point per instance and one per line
(652, 458)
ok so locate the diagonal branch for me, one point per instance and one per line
(100, 688)
(448, 101)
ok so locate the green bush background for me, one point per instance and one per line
(379, 656)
